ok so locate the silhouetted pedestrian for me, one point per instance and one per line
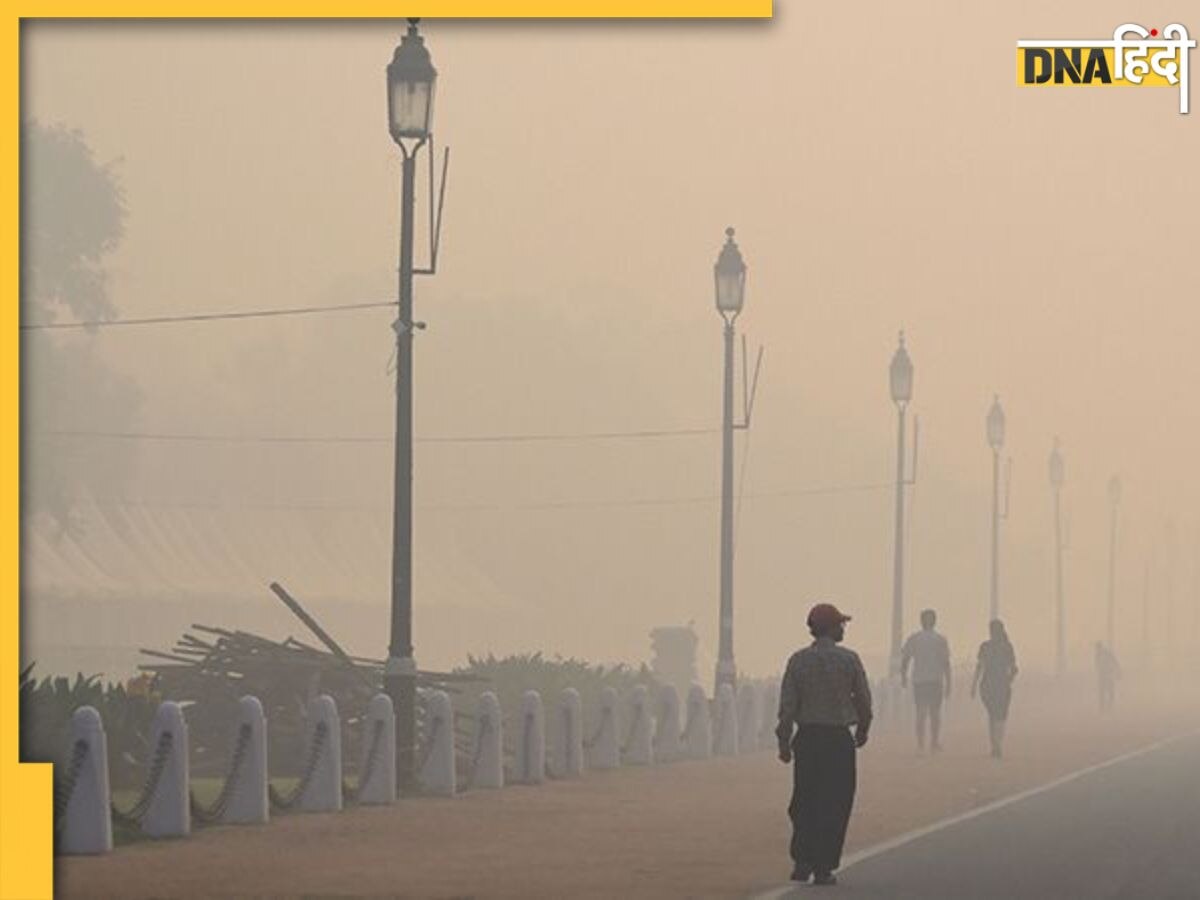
(929, 653)
(994, 674)
(1108, 670)
(824, 692)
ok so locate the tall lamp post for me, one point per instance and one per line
(1114, 502)
(1057, 476)
(410, 85)
(900, 378)
(995, 437)
(729, 279)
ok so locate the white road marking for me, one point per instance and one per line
(908, 837)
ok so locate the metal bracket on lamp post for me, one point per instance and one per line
(916, 445)
(749, 386)
(404, 327)
(435, 211)
(1003, 514)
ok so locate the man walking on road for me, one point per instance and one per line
(824, 692)
(929, 654)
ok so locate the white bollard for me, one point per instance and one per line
(697, 733)
(605, 750)
(87, 824)
(567, 735)
(725, 737)
(248, 804)
(748, 715)
(437, 774)
(324, 790)
(488, 769)
(667, 736)
(169, 813)
(531, 747)
(377, 763)
(639, 749)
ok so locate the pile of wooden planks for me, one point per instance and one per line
(210, 668)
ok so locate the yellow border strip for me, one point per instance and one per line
(433, 9)
(26, 791)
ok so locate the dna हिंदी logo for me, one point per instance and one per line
(1134, 57)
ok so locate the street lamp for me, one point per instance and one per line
(900, 376)
(995, 437)
(411, 78)
(410, 86)
(1057, 476)
(1114, 501)
(729, 281)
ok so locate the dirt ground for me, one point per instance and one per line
(692, 829)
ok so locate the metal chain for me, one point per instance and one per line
(286, 801)
(569, 735)
(605, 714)
(213, 813)
(718, 725)
(566, 748)
(427, 750)
(527, 746)
(485, 727)
(687, 726)
(364, 778)
(633, 727)
(66, 787)
(162, 753)
(662, 717)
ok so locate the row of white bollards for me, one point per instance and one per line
(659, 732)
(165, 807)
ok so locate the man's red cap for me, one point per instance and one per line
(826, 615)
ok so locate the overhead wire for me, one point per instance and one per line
(92, 324)
(512, 438)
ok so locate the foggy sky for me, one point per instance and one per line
(883, 171)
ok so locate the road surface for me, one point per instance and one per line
(1125, 829)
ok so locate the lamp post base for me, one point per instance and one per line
(400, 684)
(726, 673)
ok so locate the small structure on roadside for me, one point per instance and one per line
(673, 659)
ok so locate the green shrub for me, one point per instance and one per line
(126, 710)
(511, 676)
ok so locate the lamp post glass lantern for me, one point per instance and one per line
(729, 276)
(729, 281)
(900, 375)
(411, 78)
(1057, 467)
(996, 425)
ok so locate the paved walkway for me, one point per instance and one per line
(1129, 828)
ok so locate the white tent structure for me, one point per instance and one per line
(126, 574)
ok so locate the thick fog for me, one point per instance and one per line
(883, 173)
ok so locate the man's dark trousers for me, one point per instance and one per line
(824, 779)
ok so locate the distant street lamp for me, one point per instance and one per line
(900, 379)
(995, 437)
(729, 279)
(410, 85)
(1057, 476)
(1169, 590)
(1114, 502)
